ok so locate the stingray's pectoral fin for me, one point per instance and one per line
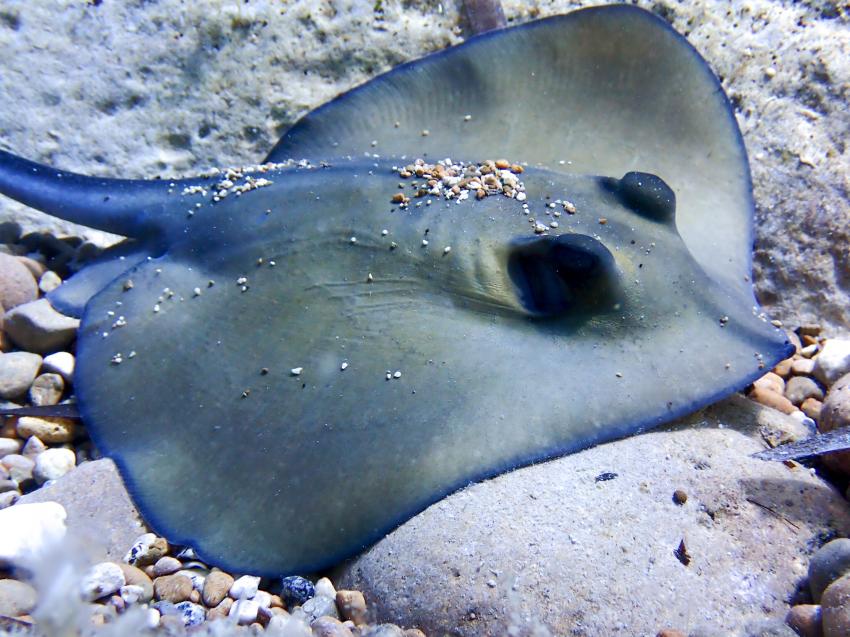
(71, 297)
(572, 276)
(133, 208)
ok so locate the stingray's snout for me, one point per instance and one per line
(571, 275)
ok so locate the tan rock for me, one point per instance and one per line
(216, 586)
(49, 430)
(803, 367)
(351, 605)
(812, 408)
(772, 382)
(17, 284)
(835, 608)
(771, 398)
(783, 368)
(167, 565)
(222, 611)
(135, 576)
(172, 588)
(805, 619)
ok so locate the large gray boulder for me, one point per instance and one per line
(169, 87)
(596, 543)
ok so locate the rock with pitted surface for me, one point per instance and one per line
(539, 544)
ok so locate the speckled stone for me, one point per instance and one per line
(16, 598)
(47, 389)
(102, 580)
(17, 371)
(135, 576)
(296, 590)
(37, 327)
(49, 430)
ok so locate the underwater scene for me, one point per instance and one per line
(408, 318)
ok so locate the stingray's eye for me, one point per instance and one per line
(646, 194)
(570, 274)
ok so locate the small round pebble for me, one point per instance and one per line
(61, 363)
(799, 388)
(829, 562)
(47, 389)
(679, 496)
(245, 611)
(325, 587)
(146, 550)
(296, 590)
(167, 565)
(192, 614)
(319, 606)
(216, 587)
(17, 284)
(103, 579)
(33, 447)
(37, 327)
(136, 577)
(771, 398)
(805, 619)
(132, 594)
(352, 606)
(172, 588)
(54, 463)
(330, 627)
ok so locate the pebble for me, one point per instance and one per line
(132, 594)
(103, 579)
(36, 268)
(805, 619)
(33, 447)
(9, 445)
(8, 498)
(216, 587)
(325, 587)
(192, 614)
(330, 627)
(771, 398)
(783, 368)
(49, 281)
(16, 598)
(809, 350)
(47, 389)
(221, 611)
(835, 413)
(152, 618)
(172, 588)
(320, 606)
(49, 430)
(829, 562)
(146, 550)
(8, 485)
(37, 327)
(61, 363)
(833, 361)
(245, 611)
(197, 578)
(53, 464)
(803, 367)
(352, 606)
(835, 608)
(382, 630)
(296, 590)
(799, 388)
(20, 468)
(167, 565)
(137, 577)
(812, 408)
(772, 382)
(245, 587)
(17, 372)
(17, 284)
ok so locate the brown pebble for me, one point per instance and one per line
(277, 602)
(835, 608)
(503, 164)
(834, 414)
(771, 381)
(46, 389)
(17, 284)
(803, 367)
(49, 430)
(134, 576)
(517, 169)
(805, 619)
(770, 398)
(329, 627)
(679, 496)
(222, 611)
(783, 368)
(216, 586)
(602, 221)
(351, 605)
(812, 408)
(807, 339)
(812, 329)
(670, 632)
(172, 588)
(413, 632)
(398, 197)
(194, 596)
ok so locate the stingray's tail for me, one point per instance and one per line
(134, 208)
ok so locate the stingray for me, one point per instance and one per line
(288, 360)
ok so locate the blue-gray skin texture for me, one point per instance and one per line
(512, 347)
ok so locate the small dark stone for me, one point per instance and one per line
(604, 477)
(295, 590)
(679, 496)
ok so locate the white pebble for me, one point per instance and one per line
(52, 464)
(447, 249)
(520, 196)
(296, 371)
(397, 375)
(28, 530)
(325, 587)
(246, 586)
(245, 611)
(263, 599)
(343, 366)
(131, 593)
(102, 580)
(152, 618)
(833, 361)
(61, 363)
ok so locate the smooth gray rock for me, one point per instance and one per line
(16, 598)
(829, 563)
(553, 545)
(37, 327)
(197, 85)
(798, 388)
(17, 371)
(99, 508)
